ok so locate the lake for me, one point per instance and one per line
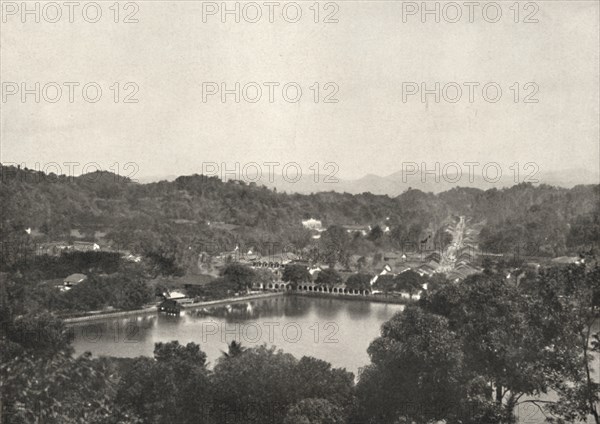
(335, 330)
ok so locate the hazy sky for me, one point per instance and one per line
(368, 54)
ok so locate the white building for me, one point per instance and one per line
(386, 270)
(312, 224)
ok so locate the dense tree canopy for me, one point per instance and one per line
(415, 367)
(261, 384)
(174, 387)
(409, 281)
(296, 274)
(174, 222)
(469, 353)
(314, 411)
(241, 276)
(328, 277)
(360, 281)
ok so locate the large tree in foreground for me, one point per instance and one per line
(567, 302)
(40, 382)
(504, 339)
(415, 372)
(490, 346)
(315, 411)
(261, 384)
(172, 388)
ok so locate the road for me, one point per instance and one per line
(449, 255)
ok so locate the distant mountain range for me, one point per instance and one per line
(203, 212)
(397, 183)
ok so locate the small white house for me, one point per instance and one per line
(174, 295)
(386, 270)
(312, 224)
(72, 280)
(312, 271)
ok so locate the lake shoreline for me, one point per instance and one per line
(361, 297)
(154, 309)
(229, 300)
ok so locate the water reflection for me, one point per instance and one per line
(279, 307)
(359, 310)
(338, 331)
(124, 330)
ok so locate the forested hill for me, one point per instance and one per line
(196, 209)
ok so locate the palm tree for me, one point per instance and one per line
(234, 349)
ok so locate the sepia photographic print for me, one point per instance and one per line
(299, 212)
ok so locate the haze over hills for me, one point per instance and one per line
(197, 213)
(398, 182)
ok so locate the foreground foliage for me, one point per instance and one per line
(471, 352)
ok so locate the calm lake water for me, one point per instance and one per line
(337, 331)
